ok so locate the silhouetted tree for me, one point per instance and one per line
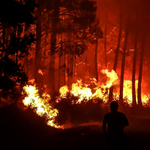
(117, 48)
(14, 44)
(38, 52)
(123, 59)
(95, 34)
(140, 72)
(134, 63)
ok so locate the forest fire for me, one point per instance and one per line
(101, 91)
(63, 63)
(127, 93)
(82, 91)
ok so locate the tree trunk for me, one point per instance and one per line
(134, 65)
(26, 57)
(68, 69)
(71, 68)
(54, 23)
(4, 39)
(59, 72)
(64, 68)
(60, 67)
(74, 69)
(105, 39)
(140, 72)
(117, 53)
(69, 61)
(123, 60)
(38, 60)
(96, 67)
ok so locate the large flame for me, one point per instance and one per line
(127, 93)
(84, 92)
(40, 105)
(81, 91)
(101, 91)
(112, 78)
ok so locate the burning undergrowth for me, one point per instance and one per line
(68, 112)
(72, 114)
(41, 105)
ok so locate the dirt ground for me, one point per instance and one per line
(22, 130)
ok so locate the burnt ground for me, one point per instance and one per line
(21, 130)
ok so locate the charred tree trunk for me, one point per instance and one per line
(54, 22)
(38, 64)
(123, 60)
(3, 42)
(140, 72)
(105, 39)
(26, 57)
(59, 69)
(72, 62)
(59, 72)
(74, 69)
(96, 67)
(4, 39)
(69, 61)
(134, 65)
(1, 50)
(117, 54)
(68, 69)
(64, 68)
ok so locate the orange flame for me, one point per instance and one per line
(127, 93)
(40, 105)
(113, 78)
(101, 91)
(84, 93)
(81, 91)
(63, 90)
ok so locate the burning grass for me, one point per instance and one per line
(73, 115)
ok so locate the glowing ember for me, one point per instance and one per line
(40, 105)
(40, 72)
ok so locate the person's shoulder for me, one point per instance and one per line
(108, 114)
(121, 114)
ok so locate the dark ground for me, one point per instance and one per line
(21, 130)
